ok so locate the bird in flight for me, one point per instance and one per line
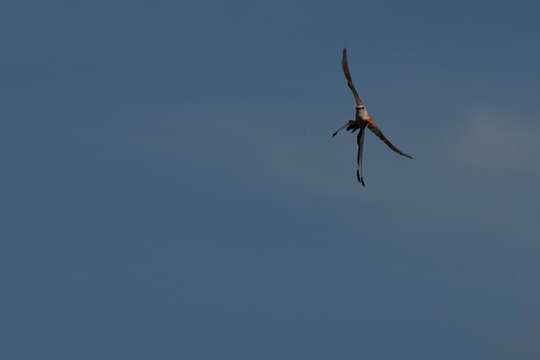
(361, 121)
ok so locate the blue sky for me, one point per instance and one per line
(171, 190)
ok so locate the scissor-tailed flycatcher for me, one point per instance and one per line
(361, 121)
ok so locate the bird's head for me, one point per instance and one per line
(362, 111)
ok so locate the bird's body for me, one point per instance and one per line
(362, 119)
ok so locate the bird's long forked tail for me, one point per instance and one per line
(360, 154)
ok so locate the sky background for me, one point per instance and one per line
(170, 189)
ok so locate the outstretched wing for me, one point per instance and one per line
(374, 129)
(347, 72)
(359, 156)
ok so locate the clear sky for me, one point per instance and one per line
(170, 188)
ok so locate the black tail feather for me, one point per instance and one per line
(360, 179)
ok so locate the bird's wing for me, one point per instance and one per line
(347, 72)
(359, 156)
(374, 129)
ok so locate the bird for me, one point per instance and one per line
(361, 121)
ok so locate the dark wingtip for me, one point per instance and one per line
(334, 134)
(405, 155)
